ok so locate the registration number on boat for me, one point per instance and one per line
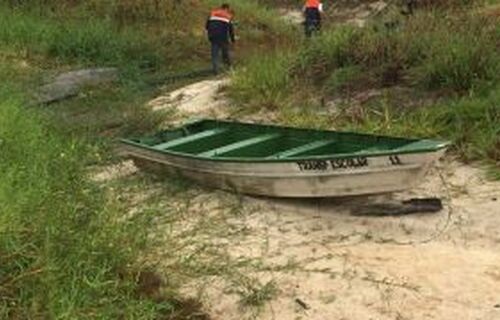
(322, 165)
(342, 163)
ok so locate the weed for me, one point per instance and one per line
(252, 293)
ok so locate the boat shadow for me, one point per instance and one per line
(380, 205)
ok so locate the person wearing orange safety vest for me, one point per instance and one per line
(312, 13)
(220, 32)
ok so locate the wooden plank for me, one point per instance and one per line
(300, 149)
(239, 145)
(190, 138)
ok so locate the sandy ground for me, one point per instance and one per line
(202, 98)
(425, 266)
(339, 265)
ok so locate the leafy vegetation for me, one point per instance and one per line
(254, 294)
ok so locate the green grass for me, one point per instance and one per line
(89, 41)
(140, 33)
(254, 294)
(64, 252)
(263, 81)
(433, 50)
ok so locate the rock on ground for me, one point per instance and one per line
(69, 84)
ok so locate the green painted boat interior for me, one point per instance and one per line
(224, 140)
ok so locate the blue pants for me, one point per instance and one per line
(217, 47)
(311, 26)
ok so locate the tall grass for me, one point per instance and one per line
(433, 49)
(471, 122)
(63, 252)
(474, 125)
(459, 56)
(151, 33)
(264, 81)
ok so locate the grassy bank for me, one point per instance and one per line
(63, 252)
(66, 250)
(451, 56)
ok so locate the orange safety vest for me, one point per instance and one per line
(312, 4)
(221, 15)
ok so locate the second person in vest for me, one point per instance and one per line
(313, 10)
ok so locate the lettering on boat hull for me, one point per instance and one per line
(334, 164)
(341, 163)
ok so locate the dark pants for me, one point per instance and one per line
(217, 47)
(312, 26)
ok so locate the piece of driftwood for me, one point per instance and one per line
(301, 303)
(416, 205)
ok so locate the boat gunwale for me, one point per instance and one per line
(437, 145)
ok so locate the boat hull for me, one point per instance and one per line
(310, 178)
